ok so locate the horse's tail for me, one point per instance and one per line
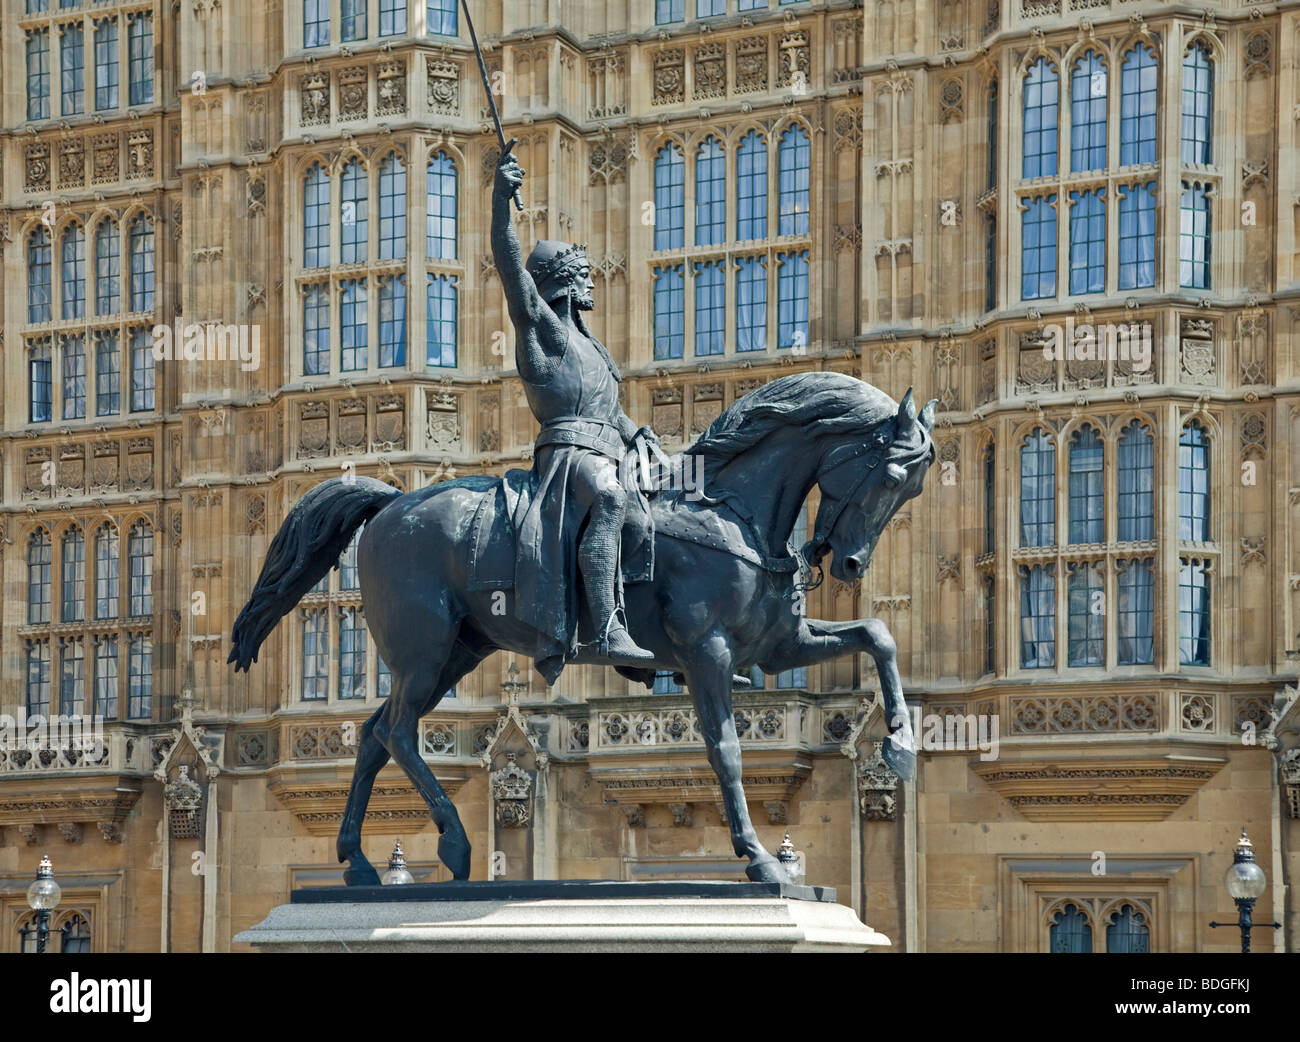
(309, 543)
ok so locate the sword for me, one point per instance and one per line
(487, 86)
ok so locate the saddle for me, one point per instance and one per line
(492, 534)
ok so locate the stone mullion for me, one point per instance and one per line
(1170, 158)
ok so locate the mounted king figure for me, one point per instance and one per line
(573, 523)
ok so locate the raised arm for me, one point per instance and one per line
(539, 337)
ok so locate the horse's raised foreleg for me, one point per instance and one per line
(817, 640)
(371, 757)
(709, 678)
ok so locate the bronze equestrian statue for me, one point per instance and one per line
(726, 589)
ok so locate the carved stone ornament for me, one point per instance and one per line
(512, 786)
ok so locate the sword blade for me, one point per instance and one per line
(487, 87)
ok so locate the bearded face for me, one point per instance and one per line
(581, 288)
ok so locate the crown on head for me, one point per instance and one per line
(569, 257)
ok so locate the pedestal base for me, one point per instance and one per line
(564, 916)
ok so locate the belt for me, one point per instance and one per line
(569, 430)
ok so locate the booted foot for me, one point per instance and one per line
(453, 851)
(900, 755)
(619, 647)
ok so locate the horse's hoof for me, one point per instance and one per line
(453, 851)
(767, 870)
(900, 759)
(364, 875)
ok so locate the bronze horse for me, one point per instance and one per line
(710, 610)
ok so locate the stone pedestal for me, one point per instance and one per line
(564, 916)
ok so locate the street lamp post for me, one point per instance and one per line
(42, 897)
(1245, 882)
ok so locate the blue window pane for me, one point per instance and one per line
(315, 23)
(710, 194)
(392, 208)
(354, 322)
(74, 378)
(40, 393)
(442, 319)
(751, 304)
(392, 322)
(442, 15)
(1070, 931)
(352, 15)
(38, 276)
(108, 263)
(108, 375)
(1139, 84)
(792, 300)
(1136, 450)
(316, 331)
(1136, 623)
(1088, 85)
(1194, 238)
(38, 74)
(140, 57)
(710, 309)
(1128, 932)
(751, 187)
(1037, 619)
(670, 198)
(1088, 242)
(1193, 614)
(1041, 115)
(710, 8)
(142, 264)
(794, 159)
(1086, 619)
(670, 312)
(991, 154)
(1038, 490)
(1086, 496)
(1038, 249)
(1198, 105)
(142, 371)
(74, 272)
(441, 204)
(72, 65)
(392, 18)
(1137, 236)
(316, 218)
(1194, 484)
(669, 11)
(353, 222)
(106, 65)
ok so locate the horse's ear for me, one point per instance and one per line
(906, 411)
(927, 414)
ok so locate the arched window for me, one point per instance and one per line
(316, 217)
(1136, 452)
(1138, 88)
(75, 936)
(1037, 618)
(139, 553)
(73, 556)
(106, 566)
(1137, 236)
(1086, 619)
(1194, 484)
(73, 252)
(794, 174)
(1194, 237)
(142, 263)
(1198, 105)
(108, 261)
(353, 227)
(1038, 490)
(441, 208)
(1088, 241)
(1071, 931)
(669, 312)
(1136, 582)
(1128, 932)
(38, 577)
(1038, 248)
(751, 187)
(315, 331)
(1041, 115)
(1087, 524)
(355, 322)
(38, 276)
(670, 195)
(443, 317)
(710, 193)
(392, 322)
(1088, 113)
(392, 208)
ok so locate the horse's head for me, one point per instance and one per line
(863, 482)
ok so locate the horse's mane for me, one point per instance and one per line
(820, 403)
